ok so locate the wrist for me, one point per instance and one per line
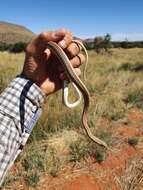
(34, 91)
(47, 87)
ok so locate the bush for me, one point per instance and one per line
(18, 47)
(13, 48)
(5, 47)
(133, 141)
(81, 149)
(134, 97)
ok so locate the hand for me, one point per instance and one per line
(42, 67)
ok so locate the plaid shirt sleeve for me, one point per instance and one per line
(20, 108)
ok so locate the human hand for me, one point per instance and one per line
(42, 67)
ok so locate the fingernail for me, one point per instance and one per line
(47, 51)
(63, 44)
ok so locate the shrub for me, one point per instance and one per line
(82, 149)
(78, 150)
(134, 97)
(133, 141)
(18, 47)
(5, 47)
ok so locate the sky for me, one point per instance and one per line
(86, 19)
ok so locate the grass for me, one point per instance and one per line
(111, 107)
(80, 150)
(133, 175)
(39, 158)
(10, 179)
(10, 66)
(32, 178)
(134, 96)
(115, 85)
(133, 141)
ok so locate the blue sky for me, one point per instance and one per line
(121, 18)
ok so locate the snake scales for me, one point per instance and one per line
(64, 60)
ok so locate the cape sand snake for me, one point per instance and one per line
(64, 60)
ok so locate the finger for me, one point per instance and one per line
(40, 42)
(62, 36)
(63, 76)
(66, 40)
(72, 50)
(78, 60)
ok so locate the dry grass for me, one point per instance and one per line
(10, 66)
(115, 85)
(133, 176)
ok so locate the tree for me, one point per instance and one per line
(98, 44)
(102, 44)
(124, 44)
(107, 42)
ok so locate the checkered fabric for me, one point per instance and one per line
(20, 108)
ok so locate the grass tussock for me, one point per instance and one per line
(81, 150)
(38, 159)
(133, 141)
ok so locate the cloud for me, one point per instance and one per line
(128, 36)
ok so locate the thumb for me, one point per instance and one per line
(55, 36)
(40, 42)
(47, 53)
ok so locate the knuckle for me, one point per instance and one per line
(81, 57)
(73, 49)
(42, 35)
(78, 60)
(68, 39)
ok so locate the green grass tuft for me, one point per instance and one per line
(133, 141)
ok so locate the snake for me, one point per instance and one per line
(74, 78)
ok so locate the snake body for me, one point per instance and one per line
(64, 60)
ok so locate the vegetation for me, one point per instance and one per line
(102, 44)
(14, 38)
(81, 150)
(13, 48)
(133, 175)
(133, 141)
(115, 85)
(12, 33)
